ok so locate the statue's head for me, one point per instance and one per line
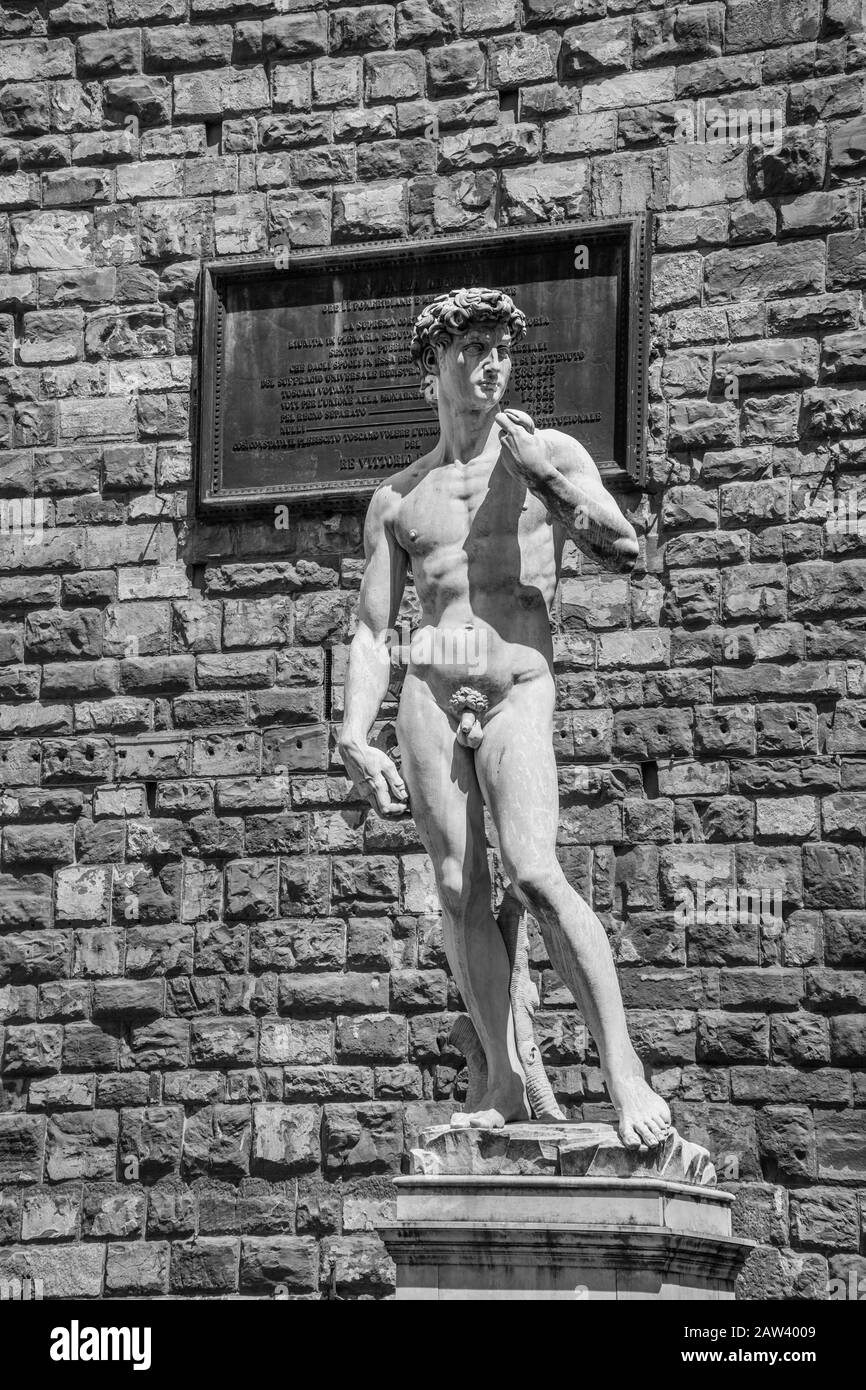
(464, 340)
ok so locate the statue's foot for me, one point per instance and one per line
(499, 1106)
(644, 1118)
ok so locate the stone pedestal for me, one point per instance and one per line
(556, 1211)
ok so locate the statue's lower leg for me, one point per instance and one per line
(580, 953)
(479, 963)
(524, 1002)
(481, 1098)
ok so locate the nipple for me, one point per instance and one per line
(413, 535)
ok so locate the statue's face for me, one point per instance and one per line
(475, 366)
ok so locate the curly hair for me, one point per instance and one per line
(452, 313)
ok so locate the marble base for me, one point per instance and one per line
(548, 1234)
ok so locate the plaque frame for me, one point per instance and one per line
(214, 500)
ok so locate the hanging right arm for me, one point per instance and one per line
(369, 670)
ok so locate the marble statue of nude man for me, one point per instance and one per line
(482, 520)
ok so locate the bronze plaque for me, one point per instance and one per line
(308, 388)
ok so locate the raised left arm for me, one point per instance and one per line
(561, 474)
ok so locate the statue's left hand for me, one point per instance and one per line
(524, 452)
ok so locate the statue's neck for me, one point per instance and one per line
(467, 435)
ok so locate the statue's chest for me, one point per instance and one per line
(473, 510)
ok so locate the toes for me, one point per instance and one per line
(629, 1136)
(477, 1119)
(646, 1134)
(487, 1119)
(656, 1129)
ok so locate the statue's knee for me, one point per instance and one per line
(452, 887)
(538, 889)
(464, 889)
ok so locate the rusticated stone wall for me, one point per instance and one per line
(225, 1006)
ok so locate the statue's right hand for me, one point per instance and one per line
(375, 776)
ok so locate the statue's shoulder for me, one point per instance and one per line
(391, 492)
(385, 502)
(400, 484)
(567, 454)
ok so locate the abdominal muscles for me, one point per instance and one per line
(473, 653)
(485, 614)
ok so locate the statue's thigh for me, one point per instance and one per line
(445, 798)
(516, 770)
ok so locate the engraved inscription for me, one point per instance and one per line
(316, 387)
(361, 382)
